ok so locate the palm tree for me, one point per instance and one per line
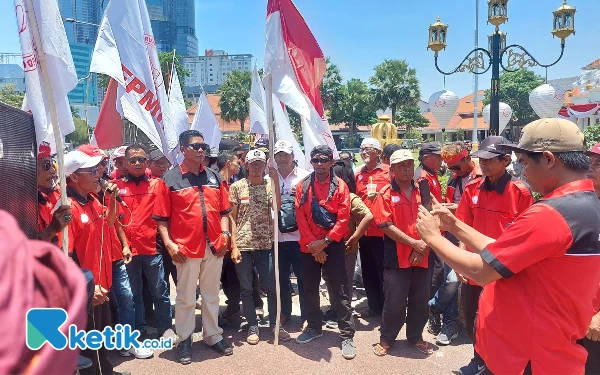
(395, 85)
(235, 93)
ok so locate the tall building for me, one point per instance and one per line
(186, 43)
(213, 67)
(82, 20)
(164, 27)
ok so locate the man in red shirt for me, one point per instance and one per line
(139, 230)
(488, 205)
(192, 210)
(159, 164)
(322, 214)
(406, 272)
(371, 244)
(541, 275)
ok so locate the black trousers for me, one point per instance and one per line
(470, 301)
(169, 266)
(371, 262)
(406, 300)
(436, 269)
(98, 318)
(592, 365)
(340, 302)
(230, 285)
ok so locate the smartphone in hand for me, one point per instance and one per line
(425, 194)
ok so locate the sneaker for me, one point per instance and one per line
(308, 335)
(260, 312)
(348, 349)
(447, 334)
(475, 367)
(331, 324)
(283, 334)
(139, 353)
(253, 335)
(435, 323)
(184, 351)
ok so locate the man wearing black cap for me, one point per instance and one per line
(541, 275)
(488, 204)
(159, 164)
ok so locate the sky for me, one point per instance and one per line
(359, 34)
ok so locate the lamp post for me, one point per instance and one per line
(475, 62)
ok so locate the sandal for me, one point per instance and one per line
(423, 347)
(380, 350)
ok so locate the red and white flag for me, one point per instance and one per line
(108, 132)
(62, 77)
(296, 65)
(126, 51)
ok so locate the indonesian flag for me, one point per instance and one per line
(296, 65)
(108, 132)
(126, 51)
(62, 77)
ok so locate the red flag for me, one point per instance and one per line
(305, 54)
(109, 128)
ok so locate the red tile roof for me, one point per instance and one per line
(593, 65)
(225, 126)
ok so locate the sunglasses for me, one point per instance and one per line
(136, 160)
(91, 171)
(198, 146)
(456, 167)
(320, 160)
(368, 149)
(47, 165)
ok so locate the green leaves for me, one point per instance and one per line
(331, 87)
(592, 135)
(166, 62)
(395, 85)
(514, 91)
(354, 106)
(9, 96)
(235, 95)
(410, 117)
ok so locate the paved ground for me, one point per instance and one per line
(322, 356)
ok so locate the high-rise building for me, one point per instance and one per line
(213, 67)
(186, 43)
(173, 25)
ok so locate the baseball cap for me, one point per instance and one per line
(400, 156)
(595, 150)
(255, 155)
(550, 134)
(44, 151)
(371, 142)
(227, 144)
(489, 147)
(119, 152)
(92, 150)
(156, 155)
(430, 148)
(347, 155)
(75, 160)
(283, 146)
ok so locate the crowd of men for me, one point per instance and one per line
(528, 273)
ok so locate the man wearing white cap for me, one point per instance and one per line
(93, 241)
(118, 160)
(289, 248)
(250, 200)
(376, 174)
(406, 270)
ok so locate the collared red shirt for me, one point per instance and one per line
(422, 172)
(393, 207)
(380, 175)
(178, 201)
(339, 203)
(490, 209)
(287, 185)
(457, 184)
(549, 260)
(94, 243)
(140, 229)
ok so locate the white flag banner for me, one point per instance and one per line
(179, 115)
(206, 122)
(258, 105)
(126, 51)
(59, 62)
(283, 131)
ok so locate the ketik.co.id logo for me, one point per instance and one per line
(43, 326)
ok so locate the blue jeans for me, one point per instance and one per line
(445, 301)
(289, 256)
(263, 261)
(153, 269)
(121, 293)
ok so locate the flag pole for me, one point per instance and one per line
(275, 210)
(60, 155)
(171, 72)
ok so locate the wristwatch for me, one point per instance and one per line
(327, 240)
(227, 233)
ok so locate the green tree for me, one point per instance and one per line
(9, 95)
(395, 85)
(80, 136)
(515, 88)
(166, 63)
(460, 135)
(413, 134)
(235, 95)
(410, 117)
(332, 86)
(296, 125)
(355, 106)
(74, 112)
(592, 135)
(103, 81)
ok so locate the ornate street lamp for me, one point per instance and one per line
(475, 62)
